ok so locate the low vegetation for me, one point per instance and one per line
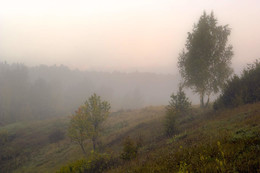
(130, 149)
(226, 140)
(95, 163)
(28, 147)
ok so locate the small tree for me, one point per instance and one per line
(86, 122)
(80, 128)
(98, 112)
(178, 105)
(180, 102)
(205, 63)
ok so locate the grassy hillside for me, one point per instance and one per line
(227, 140)
(28, 147)
(224, 141)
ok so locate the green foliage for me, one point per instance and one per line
(176, 138)
(97, 112)
(80, 129)
(87, 120)
(130, 149)
(241, 90)
(96, 163)
(205, 63)
(170, 123)
(179, 105)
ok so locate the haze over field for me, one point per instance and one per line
(129, 86)
(125, 36)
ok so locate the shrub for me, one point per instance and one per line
(170, 123)
(179, 105)
(241, 90)
(96, 163)
(130, 149)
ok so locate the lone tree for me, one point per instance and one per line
(87, 120)
(205, 63)
(80, 128)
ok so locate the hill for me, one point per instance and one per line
(224, 141)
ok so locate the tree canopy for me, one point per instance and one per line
(86, 122)
(205, 62)
(97, 111)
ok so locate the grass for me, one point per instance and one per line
(223, 141)
(29, 148)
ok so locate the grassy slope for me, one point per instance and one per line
(224, 141)
(198, 137)
(30, 150)
(29, 147)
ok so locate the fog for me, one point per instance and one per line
(126, 36)
(125, 51)
(47, 91)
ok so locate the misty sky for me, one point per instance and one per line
(108, 35)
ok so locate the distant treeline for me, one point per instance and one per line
(45, 91)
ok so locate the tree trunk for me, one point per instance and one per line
(83, 149)
(94, 137)
(94, 143)
(202, 100)
(207, 104)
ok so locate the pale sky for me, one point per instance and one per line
(119, 35)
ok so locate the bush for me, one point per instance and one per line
(96, 163)
(241, 90)
(170, 123)
(130, 149)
